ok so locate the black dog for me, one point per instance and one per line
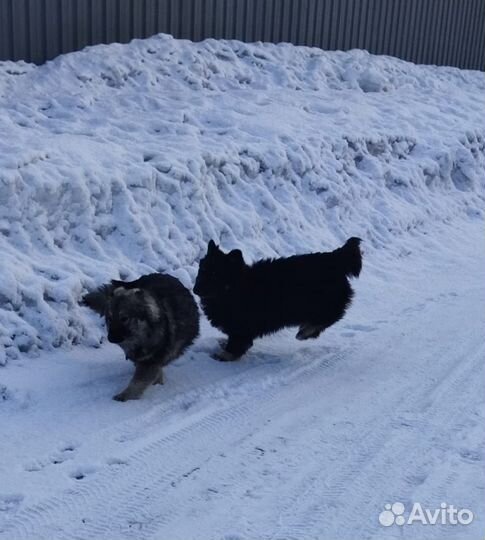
(245, 302)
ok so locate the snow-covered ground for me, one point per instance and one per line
(120, 160)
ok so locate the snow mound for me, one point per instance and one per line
(125, 159)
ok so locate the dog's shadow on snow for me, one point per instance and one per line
(277, 349)
(107, 371)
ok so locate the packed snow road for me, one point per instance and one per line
(294, 441)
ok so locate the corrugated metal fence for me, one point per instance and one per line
(444, 32)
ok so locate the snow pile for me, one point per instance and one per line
(125, 159)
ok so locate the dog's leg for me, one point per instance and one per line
(159, 379)
(222, 342)
(145, 375)
(308, 331)
(236, 346)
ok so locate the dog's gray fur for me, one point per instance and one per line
(153, 319)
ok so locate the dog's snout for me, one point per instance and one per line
(115, 336)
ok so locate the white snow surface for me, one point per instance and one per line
(120, 160)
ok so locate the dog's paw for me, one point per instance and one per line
(224, 356)
(159, 380)
(125, 396)
(222, 342)
(309, 331)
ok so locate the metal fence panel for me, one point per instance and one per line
(6, 30)
(443, 32)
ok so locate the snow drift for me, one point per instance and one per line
(125, 159)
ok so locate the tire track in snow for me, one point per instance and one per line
(390, 457)
(110, 490)
(391, 449)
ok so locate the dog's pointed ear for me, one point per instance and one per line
(212, 247)
(115, 283)
(236, 257)
(98, 299)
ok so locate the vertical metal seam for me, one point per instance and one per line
(28, 29)
(156, 15)
(59, 27)
(11, 52)
(446, 53)
(285, 21)
(365, 44)
(338, 21)
(466, 36)
(245, 19)
(390, 25)
(89, 16)
(271, 21)
(44, 27)
(413, 44)
(118, 21)
(75, 26)
(397, 27)
(311, 22)
(234, 21)
(360, 27)
(474, 30)
(353, 22)
(455, 27)
(459, 40)
(479, 37)
(471, 34)
(419, 30)
(438, 17)
(180, 18)
(298, 19)
(263, 22)
(144, 17)
(314, 30)
(191, 25)
(343, 21)
(404, 32)
(381, 25)
(132, 19)
(480, 53)
(453, 31)
(425, 33)
(168, 13)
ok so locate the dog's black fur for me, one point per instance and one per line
(153, 319)
(248, 301)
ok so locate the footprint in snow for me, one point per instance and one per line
(414, 309)
(10, 502)
(357, 328)
(362, 328)
(471, 455)
(116, 462)
(81, 472)
(66, 452)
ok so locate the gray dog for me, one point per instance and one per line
(153, 319)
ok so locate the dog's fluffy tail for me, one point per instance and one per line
(350, 257)
(97, 300)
